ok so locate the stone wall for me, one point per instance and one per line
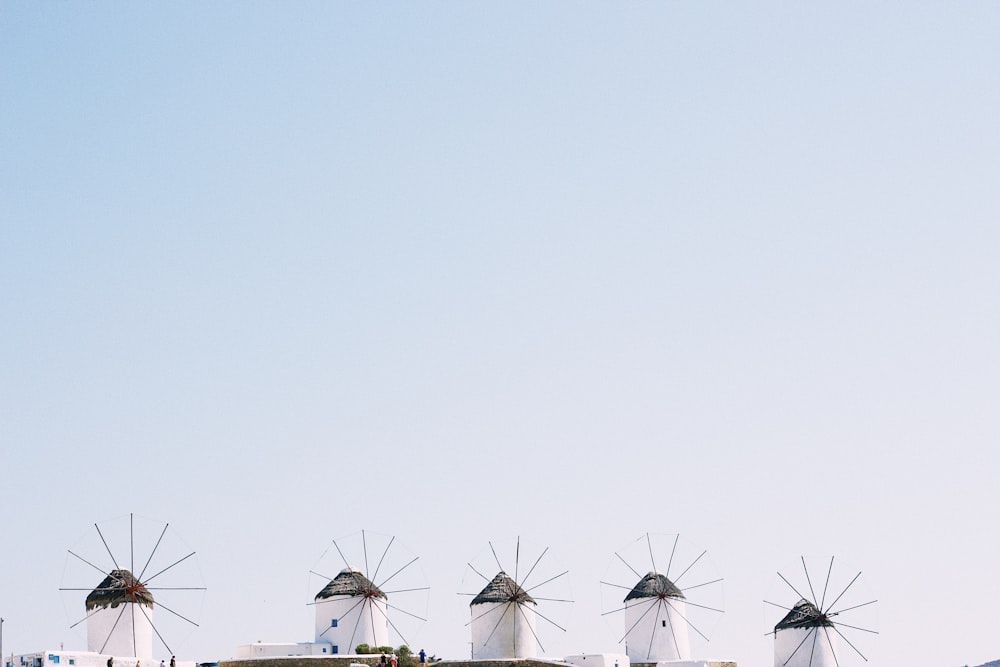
(303, 661)
(373, 661)
(509, 662)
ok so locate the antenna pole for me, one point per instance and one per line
(673, 550)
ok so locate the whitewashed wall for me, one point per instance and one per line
(786, 641)
(598, 660)
(108, 635)
(367, 625)
(281, 650)
(661, 634)
(514, 637)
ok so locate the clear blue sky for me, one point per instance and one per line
(277, 272)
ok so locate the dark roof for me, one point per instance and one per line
(654, 585)
(502, 589)
(803, 615)
(352, 583)
(118, 587)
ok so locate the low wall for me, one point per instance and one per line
(556, 663)
(303, 661)
(509, 662)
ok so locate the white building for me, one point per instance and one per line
(63, 658)
(804, 637)
(120, 617)
(656, 621)
(598, 660)
(503, 621)
(282, 650)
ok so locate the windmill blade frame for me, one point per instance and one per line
(367, 588)
(667, 573)
(514, 612)
(126, 613)
(820, 614)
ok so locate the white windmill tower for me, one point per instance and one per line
(351, 608)
(504, 614)
(120, 617)
(503, 621)
(803, 623)
(811, 633)
(120, 609)
(661, 613)
(369, 605)
(656, 611)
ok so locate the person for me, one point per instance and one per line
(173, 661)
(392, 660)
(111, 661)
(423, 656)
(162, 664)
(381, 660)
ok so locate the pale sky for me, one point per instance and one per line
(275, 273)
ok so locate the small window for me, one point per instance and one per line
(324, 649)
(335, 649)
(72, 661)
(333, 622)
(664, 621)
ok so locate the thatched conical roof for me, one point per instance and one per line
(502, 589)
(654, 585)
(352, 583)
(117, 588)
(803, 615)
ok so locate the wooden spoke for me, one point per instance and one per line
(379, 566)
(834, 603)
(537, 561)
(801, 596)
(798, 647)
(151, 553)
(106, 546)
(849, 643)
(547, 581)
(673, 550)
(174, 564)
(686, 620)
(809, 581)
(822, 603)
(689, 566)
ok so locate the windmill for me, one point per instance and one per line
(367, 597)
(504, 613)
(120, 608)
(668, 593)
(812, 631)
